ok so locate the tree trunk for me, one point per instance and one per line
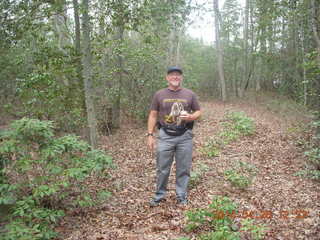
(60, 25)
(87, 75)
(220, 51)
(305, 89)
(62, 35)
(77, 36)
(174, 39)
(315, 8)
(245, 51)
(116, 108)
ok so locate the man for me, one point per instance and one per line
(174, 109)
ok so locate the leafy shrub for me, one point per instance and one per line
(237, 179)
(314, 157)
(217, 214)
(312, 169)
(221, 233)
(241, 175)
(218, 220)
(211, 148)
(257, 232)
(237, 124)
(43, 175)
(196, 174)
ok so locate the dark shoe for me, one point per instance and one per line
(155, 202)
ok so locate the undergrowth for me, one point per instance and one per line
(217, 222)
(43, 175)
(241, 175)
(236, 125)
(312, 168)
(197, 174)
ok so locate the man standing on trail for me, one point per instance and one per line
(174, 109)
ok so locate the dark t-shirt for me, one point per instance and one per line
(170, 103)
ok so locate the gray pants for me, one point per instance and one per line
(170, 147)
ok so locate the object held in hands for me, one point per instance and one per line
(182, 113)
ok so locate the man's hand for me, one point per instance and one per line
(185, 116)
(151, 143)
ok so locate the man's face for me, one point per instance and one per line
(174, 79)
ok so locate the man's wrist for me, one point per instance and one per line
(149, 134)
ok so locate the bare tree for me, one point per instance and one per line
(77, 38)
(220, 51)
(87, 75)
(241, 86)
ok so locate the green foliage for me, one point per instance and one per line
(218, 219)
(257, 231)
(211, 148)
(237, 124)
(237, 179)
(197, 174)
(221, 233)
(241, 175)
(312, 168)
(217, 214)
(314, 156)
(45, 174)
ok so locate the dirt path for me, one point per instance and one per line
(272, 150)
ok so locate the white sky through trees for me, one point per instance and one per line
(202, 21)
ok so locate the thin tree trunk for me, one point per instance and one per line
(173, 44)
(60, 25)
(87, 75)
(116, 108)
(59, 20)
(245, 51)
(315, 29)
(305, 89)
(77, 37)
(220, 51)
(315, 7)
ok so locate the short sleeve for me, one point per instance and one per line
(195, 103)
(155, 103)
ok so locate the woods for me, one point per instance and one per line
(265, 45)
(89, 68)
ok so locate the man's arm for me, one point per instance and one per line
(152, 121)
(191, 117)
(195, 115)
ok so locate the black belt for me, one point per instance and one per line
(175, 130)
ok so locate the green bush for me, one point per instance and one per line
(257, 232)
(241, 175)
(312, 169)
(221, 233)
(237, 179)
(43, 176)
(237, 124)
(212, 148)
(218, 214)
(197, 174)
(218, 220)
(314, 157)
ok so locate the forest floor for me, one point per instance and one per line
(275, 149)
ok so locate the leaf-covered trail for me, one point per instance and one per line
(273, 150)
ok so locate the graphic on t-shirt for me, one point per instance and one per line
(174, 116)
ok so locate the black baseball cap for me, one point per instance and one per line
(174, 69)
